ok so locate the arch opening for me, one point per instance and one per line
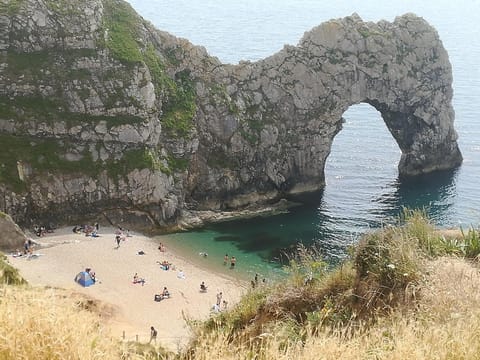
(362, 163)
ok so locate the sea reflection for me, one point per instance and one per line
(435, 193)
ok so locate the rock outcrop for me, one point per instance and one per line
(11, 236)
(103, 113)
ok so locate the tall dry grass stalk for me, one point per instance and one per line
(48, 324)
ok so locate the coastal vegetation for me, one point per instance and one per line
(123, 27)
(120, 34)
(405, 291)
(45, 156)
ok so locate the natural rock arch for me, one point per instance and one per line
(288, 107)
(103, 113)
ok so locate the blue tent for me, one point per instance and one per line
(84, 279)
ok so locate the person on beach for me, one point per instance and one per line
(219, 299)
(26, 247)
(165, 293)
(117, 239)
(92, 274)
(225, 259)
(138, 280)
(203, 287)
(233, 261)
(153, 335)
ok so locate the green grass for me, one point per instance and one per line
(141, 158)
(179, 107)
(8, 274)
(470, 243)
(42, 155)
(51, 110)
(45, 156)
(179, 110)
(176, 163)
(164, 85)
(11, 7)
(122, 24)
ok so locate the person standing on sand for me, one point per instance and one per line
(219, 299)
(233, 261)
(117, 239)
(225, 259)
(153, 335)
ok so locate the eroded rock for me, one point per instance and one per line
(146, 122)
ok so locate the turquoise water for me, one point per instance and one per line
(363, 190)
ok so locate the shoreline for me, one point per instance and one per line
(63, 254)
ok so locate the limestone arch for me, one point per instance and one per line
(274, 126)
(400, 68)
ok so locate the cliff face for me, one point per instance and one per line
(100, 112)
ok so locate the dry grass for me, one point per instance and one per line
(446, 325)
(47, 324)
(51, 324)
(394, 299)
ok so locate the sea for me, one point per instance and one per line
(363, 190)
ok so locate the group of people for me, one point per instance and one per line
(164, 295)
(88, 230)
(121, 235)
(233, 261)
(28, 246)
(220, 302)
(42, 230)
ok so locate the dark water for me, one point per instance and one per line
(363, 190)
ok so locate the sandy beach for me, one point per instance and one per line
(63, 254)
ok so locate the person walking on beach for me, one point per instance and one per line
(225, 259)
(117, 239)
(219, 299)
(153, 335)
(232, 262)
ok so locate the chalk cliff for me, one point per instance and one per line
(102, 113)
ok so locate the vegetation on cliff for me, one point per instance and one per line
(122, 26)
(407, 291)
(122, 34)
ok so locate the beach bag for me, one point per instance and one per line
(158, 297)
